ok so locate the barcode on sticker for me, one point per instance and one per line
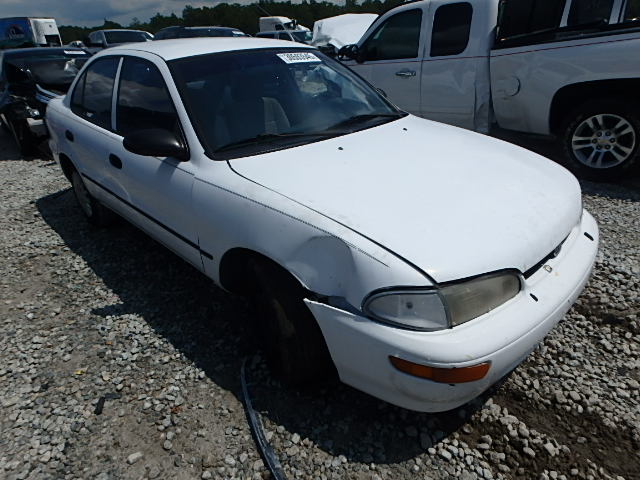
(298, 57)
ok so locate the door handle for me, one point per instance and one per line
(406, 73)
(69, 135)
(115, 161)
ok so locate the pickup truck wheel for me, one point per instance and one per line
(95, 213)
(288, 333)
(601, 139)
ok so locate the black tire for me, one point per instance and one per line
(288, 333)
(95, 213)
(23, 137)
(601, 139)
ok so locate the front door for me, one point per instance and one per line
(391, 58)
(155, 192)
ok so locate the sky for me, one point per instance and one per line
(93, 12)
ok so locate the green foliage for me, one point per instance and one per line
(244, 17)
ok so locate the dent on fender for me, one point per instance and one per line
(324, 265)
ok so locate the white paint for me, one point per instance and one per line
(457, 89)
(410, 203)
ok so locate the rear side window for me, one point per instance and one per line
(284, 36)
(93, 93)
(591, 11)
(451, 28)
(398, 37)
(143, 99)
(520, 17)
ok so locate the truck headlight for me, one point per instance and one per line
(443, 307)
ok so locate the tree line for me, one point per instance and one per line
(243, 17)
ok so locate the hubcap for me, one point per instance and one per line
(82, 195)
(603, 141)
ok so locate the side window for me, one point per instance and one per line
(94, 91)
(519, 17)
(284, 36)
(589, 11)
(632, 12)
(451, 28)
(398, 37)
(143, 99)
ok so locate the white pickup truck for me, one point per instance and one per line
(561, 68)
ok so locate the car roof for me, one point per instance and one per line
(173, 49)
(118, 30)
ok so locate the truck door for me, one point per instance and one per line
(391, 57)
(455, 77)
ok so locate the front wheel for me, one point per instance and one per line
(288, 333)
(601, 139)
(23, 137)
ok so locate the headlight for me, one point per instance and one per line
(444, 307)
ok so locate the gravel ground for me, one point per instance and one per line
(92, 314)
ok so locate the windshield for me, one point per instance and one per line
(125, 37)
(264, 100)
(304, 37)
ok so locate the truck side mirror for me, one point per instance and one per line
(350, 51)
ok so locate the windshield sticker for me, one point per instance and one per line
(74, 52)
(298, 57)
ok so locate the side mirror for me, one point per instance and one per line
(351, 51)
(156, 142)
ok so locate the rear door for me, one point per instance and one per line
(155, 192)
(90, 131)
(391, 57)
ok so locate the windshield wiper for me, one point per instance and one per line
(368, 116)
(270, 137)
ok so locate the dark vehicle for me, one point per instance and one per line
(29, 79)
(101, 39)
(193, 32)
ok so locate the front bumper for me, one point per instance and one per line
(360, 347)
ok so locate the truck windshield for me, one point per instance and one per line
(253, 101)
(125, 37)
(302, 36)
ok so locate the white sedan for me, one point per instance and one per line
(420, 261)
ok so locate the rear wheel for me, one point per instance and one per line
(95, 213)
(289, 334)
(601, 139)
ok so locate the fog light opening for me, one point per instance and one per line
(442, 375)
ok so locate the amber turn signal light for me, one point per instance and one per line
(442, 375)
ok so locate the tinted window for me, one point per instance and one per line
(589, 11)
(284, 36)
(451, 27)
(632, 13)
(143, 99)
(93, 93)
(519, 17)
(397, 37)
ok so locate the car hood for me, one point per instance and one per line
(452, 202)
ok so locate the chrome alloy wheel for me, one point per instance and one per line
(82, 195)
(603, 141)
